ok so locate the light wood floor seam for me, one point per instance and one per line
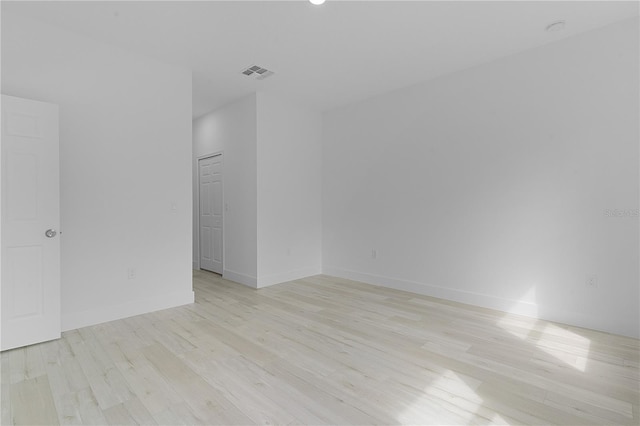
(323, 351)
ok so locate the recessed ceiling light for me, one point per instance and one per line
(316, 2)
(556, 26)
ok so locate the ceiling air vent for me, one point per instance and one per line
(258, 72)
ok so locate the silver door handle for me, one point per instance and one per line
(50, 233)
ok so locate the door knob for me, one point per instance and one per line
(50, 233)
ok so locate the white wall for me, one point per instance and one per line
(272, 187)
(232, 130)
(490, 186)
(125, 132)
(289, 190)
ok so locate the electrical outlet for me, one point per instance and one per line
(131, 274)
(374, 254)
(592, 281)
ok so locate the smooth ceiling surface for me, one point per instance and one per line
(325, 56)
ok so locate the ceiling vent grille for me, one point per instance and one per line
(258, 72)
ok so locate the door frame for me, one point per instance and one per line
(197, 197)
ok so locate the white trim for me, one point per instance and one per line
(468, 297)
(512, 306)
(238, 277)
(74, 320)
(265, 281)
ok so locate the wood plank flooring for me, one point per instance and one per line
(323, 350)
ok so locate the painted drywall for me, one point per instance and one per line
(272, 187)
(507, 185)
(232, 131)
(289, 190)
(125, 153)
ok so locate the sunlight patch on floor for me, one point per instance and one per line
(554, 340)
(447, 400)
(497, 419)
(547, 337)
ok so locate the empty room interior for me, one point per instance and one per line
(322, 213)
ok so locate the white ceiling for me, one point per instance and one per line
(323, 56)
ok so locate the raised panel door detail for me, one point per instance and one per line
(26, 284)
(22, 186)
(25, 125)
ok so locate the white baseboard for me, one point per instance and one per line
(287, 276)
(511, 306)
(74, 320)
(247, 280)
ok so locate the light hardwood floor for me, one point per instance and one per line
(323, 351)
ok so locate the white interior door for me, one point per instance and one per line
(30, 210)
(210, 181)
